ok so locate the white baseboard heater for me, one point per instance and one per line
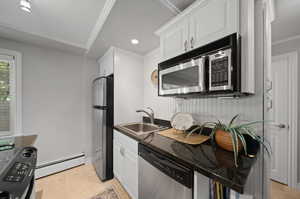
(59, 165)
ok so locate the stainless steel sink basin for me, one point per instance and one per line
(142, 128)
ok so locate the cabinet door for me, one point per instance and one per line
(213, 20)
(126, 163)
(107, 63)
(174, 41)
(118, 161)
(201, 186)
(131, 174)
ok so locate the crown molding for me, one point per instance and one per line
(179, 16)
(12, 28)
(109, 4)
(170, 6)
(285, 40)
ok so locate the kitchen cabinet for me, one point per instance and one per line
(175, 41)
(126, 163)
(212, 20)
(106, 63)
(203, 22)
(201, 186)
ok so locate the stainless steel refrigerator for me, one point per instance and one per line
(103, 109)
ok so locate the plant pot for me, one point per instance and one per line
(224, 140)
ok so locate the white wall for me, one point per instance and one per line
(56, 99)
(128, 86)
(287, 47)
(162, 106)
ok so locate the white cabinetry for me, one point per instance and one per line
(203, 22)
(126, 163)
(212, 20)
(201, 186)
(106, 63)
(128, 82)
(175, 41)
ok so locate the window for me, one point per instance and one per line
(10, 79)
(4, 95)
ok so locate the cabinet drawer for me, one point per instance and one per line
(128, 143)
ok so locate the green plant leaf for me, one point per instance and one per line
(244, 143)
(233, 119)
(234, 148)
(248, 124)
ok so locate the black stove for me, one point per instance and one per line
(17, 166)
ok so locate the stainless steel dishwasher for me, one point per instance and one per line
(162, 178)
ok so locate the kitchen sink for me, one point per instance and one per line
(142, 128)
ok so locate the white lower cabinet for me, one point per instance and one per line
(126, 163)
(201, 186)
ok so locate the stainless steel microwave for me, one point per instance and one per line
(213, 70)
(188, 77)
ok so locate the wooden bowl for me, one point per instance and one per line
(224, 140)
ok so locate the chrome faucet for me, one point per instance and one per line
(151, 114)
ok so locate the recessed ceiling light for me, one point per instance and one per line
(135, 41)
(25, 5)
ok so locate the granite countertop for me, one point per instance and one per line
(207, 159)
(21, 141)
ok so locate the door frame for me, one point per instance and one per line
(292, 58)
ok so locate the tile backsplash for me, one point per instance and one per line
(222, 109)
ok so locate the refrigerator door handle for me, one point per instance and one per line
(100, 107)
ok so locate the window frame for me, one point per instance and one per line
(16, 93)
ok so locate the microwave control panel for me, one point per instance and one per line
(220, 71)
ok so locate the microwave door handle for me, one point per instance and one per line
(192, 42)
(185, 45)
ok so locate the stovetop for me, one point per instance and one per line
(6, 157)
(17, 166)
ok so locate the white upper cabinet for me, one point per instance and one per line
(175, 40)
(203, 22)
(212, 20)
(106, 63)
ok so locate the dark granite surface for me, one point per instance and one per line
(206, 158)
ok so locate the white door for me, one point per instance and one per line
(278, 108)
(175, 40)
(212, 20)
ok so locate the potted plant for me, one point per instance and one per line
(232, 136)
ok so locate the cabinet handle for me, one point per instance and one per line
(185, 45)
(192, 42)
(122, 151)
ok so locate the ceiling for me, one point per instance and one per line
(287, 22)
(65, 21)
(90, 26)
(134, 19)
